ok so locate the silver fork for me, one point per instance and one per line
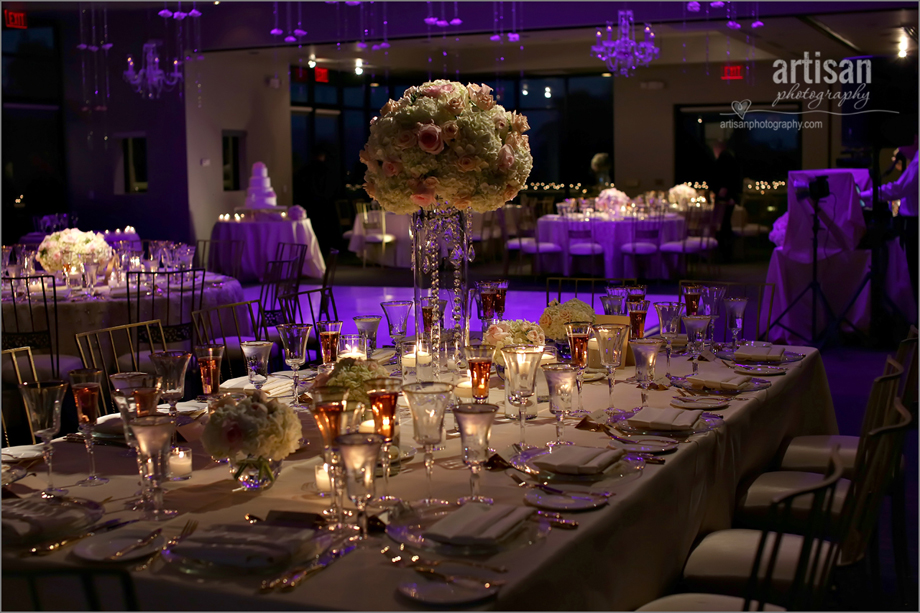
(187, 530)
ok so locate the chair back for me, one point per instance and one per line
(68, 588)
(16, 356)
(230, 325)
(760, 304)
(374, 220)
(345, 211)
(907, 358)
(223, 257)
(570, 285)
(647, 229)
(320, 301)
(280, 279)
(331, 261)
(30, 319)
(292, 251)
(579, 231)
(698, 220)
(169, 297)
(521, 219)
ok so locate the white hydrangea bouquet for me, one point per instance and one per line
(55, 248)
(353, 374)
(446, 142)
(556, 315)
(611, 199)
(512, 332)
(681, 193)
(252, 432)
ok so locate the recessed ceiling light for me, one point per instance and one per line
(606, 74)
(375, 84)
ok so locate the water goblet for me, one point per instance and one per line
(367, 326)
(561, 381)
(692, 294)
(669, 314)
(154, 434)
(352, 346)
(638, 310)
(696, 326)
(416, 360)
(359, 456)
(613, 305)
(734, 310)
(578, 333)
(636, 293)
(209, 359)
(43, 400)
(501, 290)
(488, 294)
(710, 300)
(397, 313)
(475, 424)
(522, 362)
(329, 332)
(86, 385)
(257, 354)
(428, 401)
(294, 339)
(334, 416)
(610, 339)
(383, 394)
(90, 272)
(479, 359)
(171, 366)
(645, 350)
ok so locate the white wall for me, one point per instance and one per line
(235, 95)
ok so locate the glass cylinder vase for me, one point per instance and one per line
(255, 473)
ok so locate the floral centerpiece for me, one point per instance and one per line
(448, 142)
(353, 374)
(556, 315)
(512, 332)
(681, 193)
(611, 199)
(55, 247)
(255, 434)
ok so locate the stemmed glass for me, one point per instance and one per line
(43, 400)
(696, 326)
(669, 314)
(86, 385)
(359, 455)
(501, 290)
(560, 379)
(711, 299)
(610, 339)
(475, 424)
(171, 366)
(428, 402)
(645, 351)
(521, 365)
(383, 394)
(397, 312)
(488, 295)
(613, 305)
(367, 327)
(154, 434)
(638, 310)
(734, 310)
(692, 294)
(578, 332)
(209, 358)
(257, 354)
(334, 416)
(636, 293)
(479, 359)
(429, 305)
(90, 272)
(329, 332)
(294, 339)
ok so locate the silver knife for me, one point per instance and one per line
(142, 542)
(43, 549)
(324, 560)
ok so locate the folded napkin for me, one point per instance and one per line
(28, 516)
(651, 418)
(21, 452)
(478, 524)
(725, 381)
(760, 354)
(275, 386)
(382, 355)
(244, 546)
(572, 460)
(114, 426)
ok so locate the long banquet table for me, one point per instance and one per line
(621, 556)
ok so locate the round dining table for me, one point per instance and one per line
(260, 242)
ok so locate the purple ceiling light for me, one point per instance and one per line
(623, 55)
(456, 21)
(693, 7)
(717, 4)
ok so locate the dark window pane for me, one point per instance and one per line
(299, 93)
(504, 92)
(36, 42)
(537, 92)
(34, 79)
(600, 88)
(232, 161)
(327, 132)
(379, 97)
(354, 96)
(544, 144)
(326, 94)
(356, 133)
(398, 91)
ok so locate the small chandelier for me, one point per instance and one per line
(624, 54)
(151, 80)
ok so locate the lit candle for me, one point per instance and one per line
(464, 389)
(411, 360)
(367, 427)
(180, 463)
(323, 483)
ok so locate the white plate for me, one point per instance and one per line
(439, 593)
(555, 502)
(646, 443)
(755, 385)
(788, 357)
(702, 404)
(21, 452)
(591, 377)
(100, 547)
(628, 467)
(762, 371)
(87, 513)
(703, 424)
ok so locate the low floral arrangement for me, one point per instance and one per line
(55, 247)
(556, 315)
(353, 374)
(252, 432)
(681, 193)
(445, 141)
(512, 332)
(611, 199)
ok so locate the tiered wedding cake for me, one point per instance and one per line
(260, 194)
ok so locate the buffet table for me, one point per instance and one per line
(260, 242)
(622, 555)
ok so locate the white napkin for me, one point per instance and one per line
(572, 460)
(760, 354)
(28, 516)
(724, 381)
(243, 546)
(382, 355)
(112, 426)
(478, 524)
(651, 418)
(21, 452)
(274, 387)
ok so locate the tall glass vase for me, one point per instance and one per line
(440, 257)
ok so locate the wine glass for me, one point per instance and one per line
(692, 295)
(154, 434)
(578, 332)
(475, 424)
(209, 359)
(257, 354)
(501, 290)
(610, 339)
(329, 332)
(696, 326)
(669, 314)
(712, 296)
(397, 313)
(430, 306)
(86, 385)
(479, 360)
(734, 310)
(521, 365)
(645, 350)
(352, 346)
(171, 366)
(613, 305)
(638, 310)
(561, 381)
(635, 293)
(294, 339)
(367, 327)
(383, 394)
(359, 455)
(487, 297)
(43, 401)
(428, 402)
(334, 416)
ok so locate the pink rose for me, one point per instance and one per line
(505, 157)
(467, 163)
(481, 96)
(461, 204)
(447, 88)
(431, 183)
(429, 138)
(388, 107)
(510, 192)
(371, 188)
(450, 130)
(501, 124)
(423, 199)
(432, 91)
(232, 434)
(519, 122)
(405, 139)
(391, 169)
(455, 105)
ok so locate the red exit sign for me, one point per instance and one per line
(14, 19)
(732, 72)
(321, 74)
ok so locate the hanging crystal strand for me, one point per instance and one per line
(434, 293)
(179, 16)
(94, 47)
(463, 271)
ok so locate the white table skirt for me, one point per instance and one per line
(260, 241)
(611, 235)
(620, 557)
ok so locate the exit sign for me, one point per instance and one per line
(732, 72)
(14, 19)
(321, 74)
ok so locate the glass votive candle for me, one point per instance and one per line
(321, 478)
(180, 463)
(352, 346)
(416, 360)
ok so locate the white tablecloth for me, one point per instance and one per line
(620, 557)
(610, 235)
(260, 242)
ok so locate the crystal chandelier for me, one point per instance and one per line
(151, 80)
(624, 54)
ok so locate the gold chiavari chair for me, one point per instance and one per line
(169, 297)
(292, 251)
(220, 256)
(14, 399)
(759, 295)
(231, 325)
(374, 221)
(571, 284)
(320, 301)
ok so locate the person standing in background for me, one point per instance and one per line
(726, 185)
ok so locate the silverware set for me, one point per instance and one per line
(293, 577)
(187, 530)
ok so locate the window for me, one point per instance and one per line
(233, 159)
(134, 152)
